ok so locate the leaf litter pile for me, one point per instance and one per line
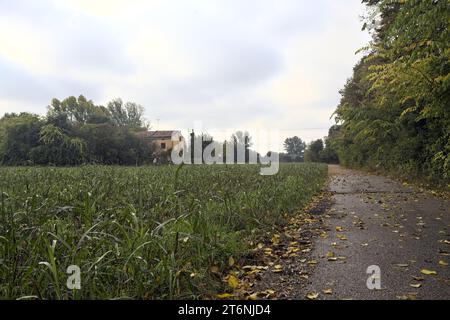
(279, 266)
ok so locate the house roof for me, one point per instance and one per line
(166, 134)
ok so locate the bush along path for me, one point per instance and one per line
(367, 237)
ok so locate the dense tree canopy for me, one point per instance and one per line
(395, 110)
(295, 148)
(75, 131)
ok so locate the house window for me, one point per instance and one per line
(181, 139)
(163, 145)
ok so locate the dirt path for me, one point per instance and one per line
(375, 221)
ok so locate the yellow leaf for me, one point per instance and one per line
(276, 239)
(332, 259)
(253, 296)
(415, 285)
(328, 291)
(339, 229)
(267, 293)
(233, 281)
(312, 295)
(249, 267)
(402, 265)
(230, 261)
(443, 263)
(225, 295)
(428, 272)
(278, 268)
(330, 254)
(341, 237)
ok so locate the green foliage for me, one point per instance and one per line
(395, 111)
(19, 134)
(109, 144)
(75, 131)
(79, 110)
(313, 151)
(295, 148)
(141, 232)
(128, 114)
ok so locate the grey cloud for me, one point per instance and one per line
(18, 84)
(241, 64)
(79, 40)
(93, 49)
(33, 89)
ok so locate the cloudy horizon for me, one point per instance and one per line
(249, 65)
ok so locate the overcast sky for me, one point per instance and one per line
(231, 64)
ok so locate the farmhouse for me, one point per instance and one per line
(163, 142)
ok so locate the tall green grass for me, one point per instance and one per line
(144, 232)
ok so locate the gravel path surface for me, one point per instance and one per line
(376, 221)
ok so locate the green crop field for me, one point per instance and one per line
(137, 232)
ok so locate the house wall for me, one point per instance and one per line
(170, 143)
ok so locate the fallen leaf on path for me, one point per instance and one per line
(233, 281)
(267, 293)
(415, 285)
(312, 296)
(277, 268)
(428, 272)
(276, 239)
(342, 237)
(253, 296)
(327, 291)
(225, 296)
(443, 263)
(402, 265)
(332, 259)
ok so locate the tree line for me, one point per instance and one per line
(296, 150)
(75, 131)
(394, 112)
(320, 150)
